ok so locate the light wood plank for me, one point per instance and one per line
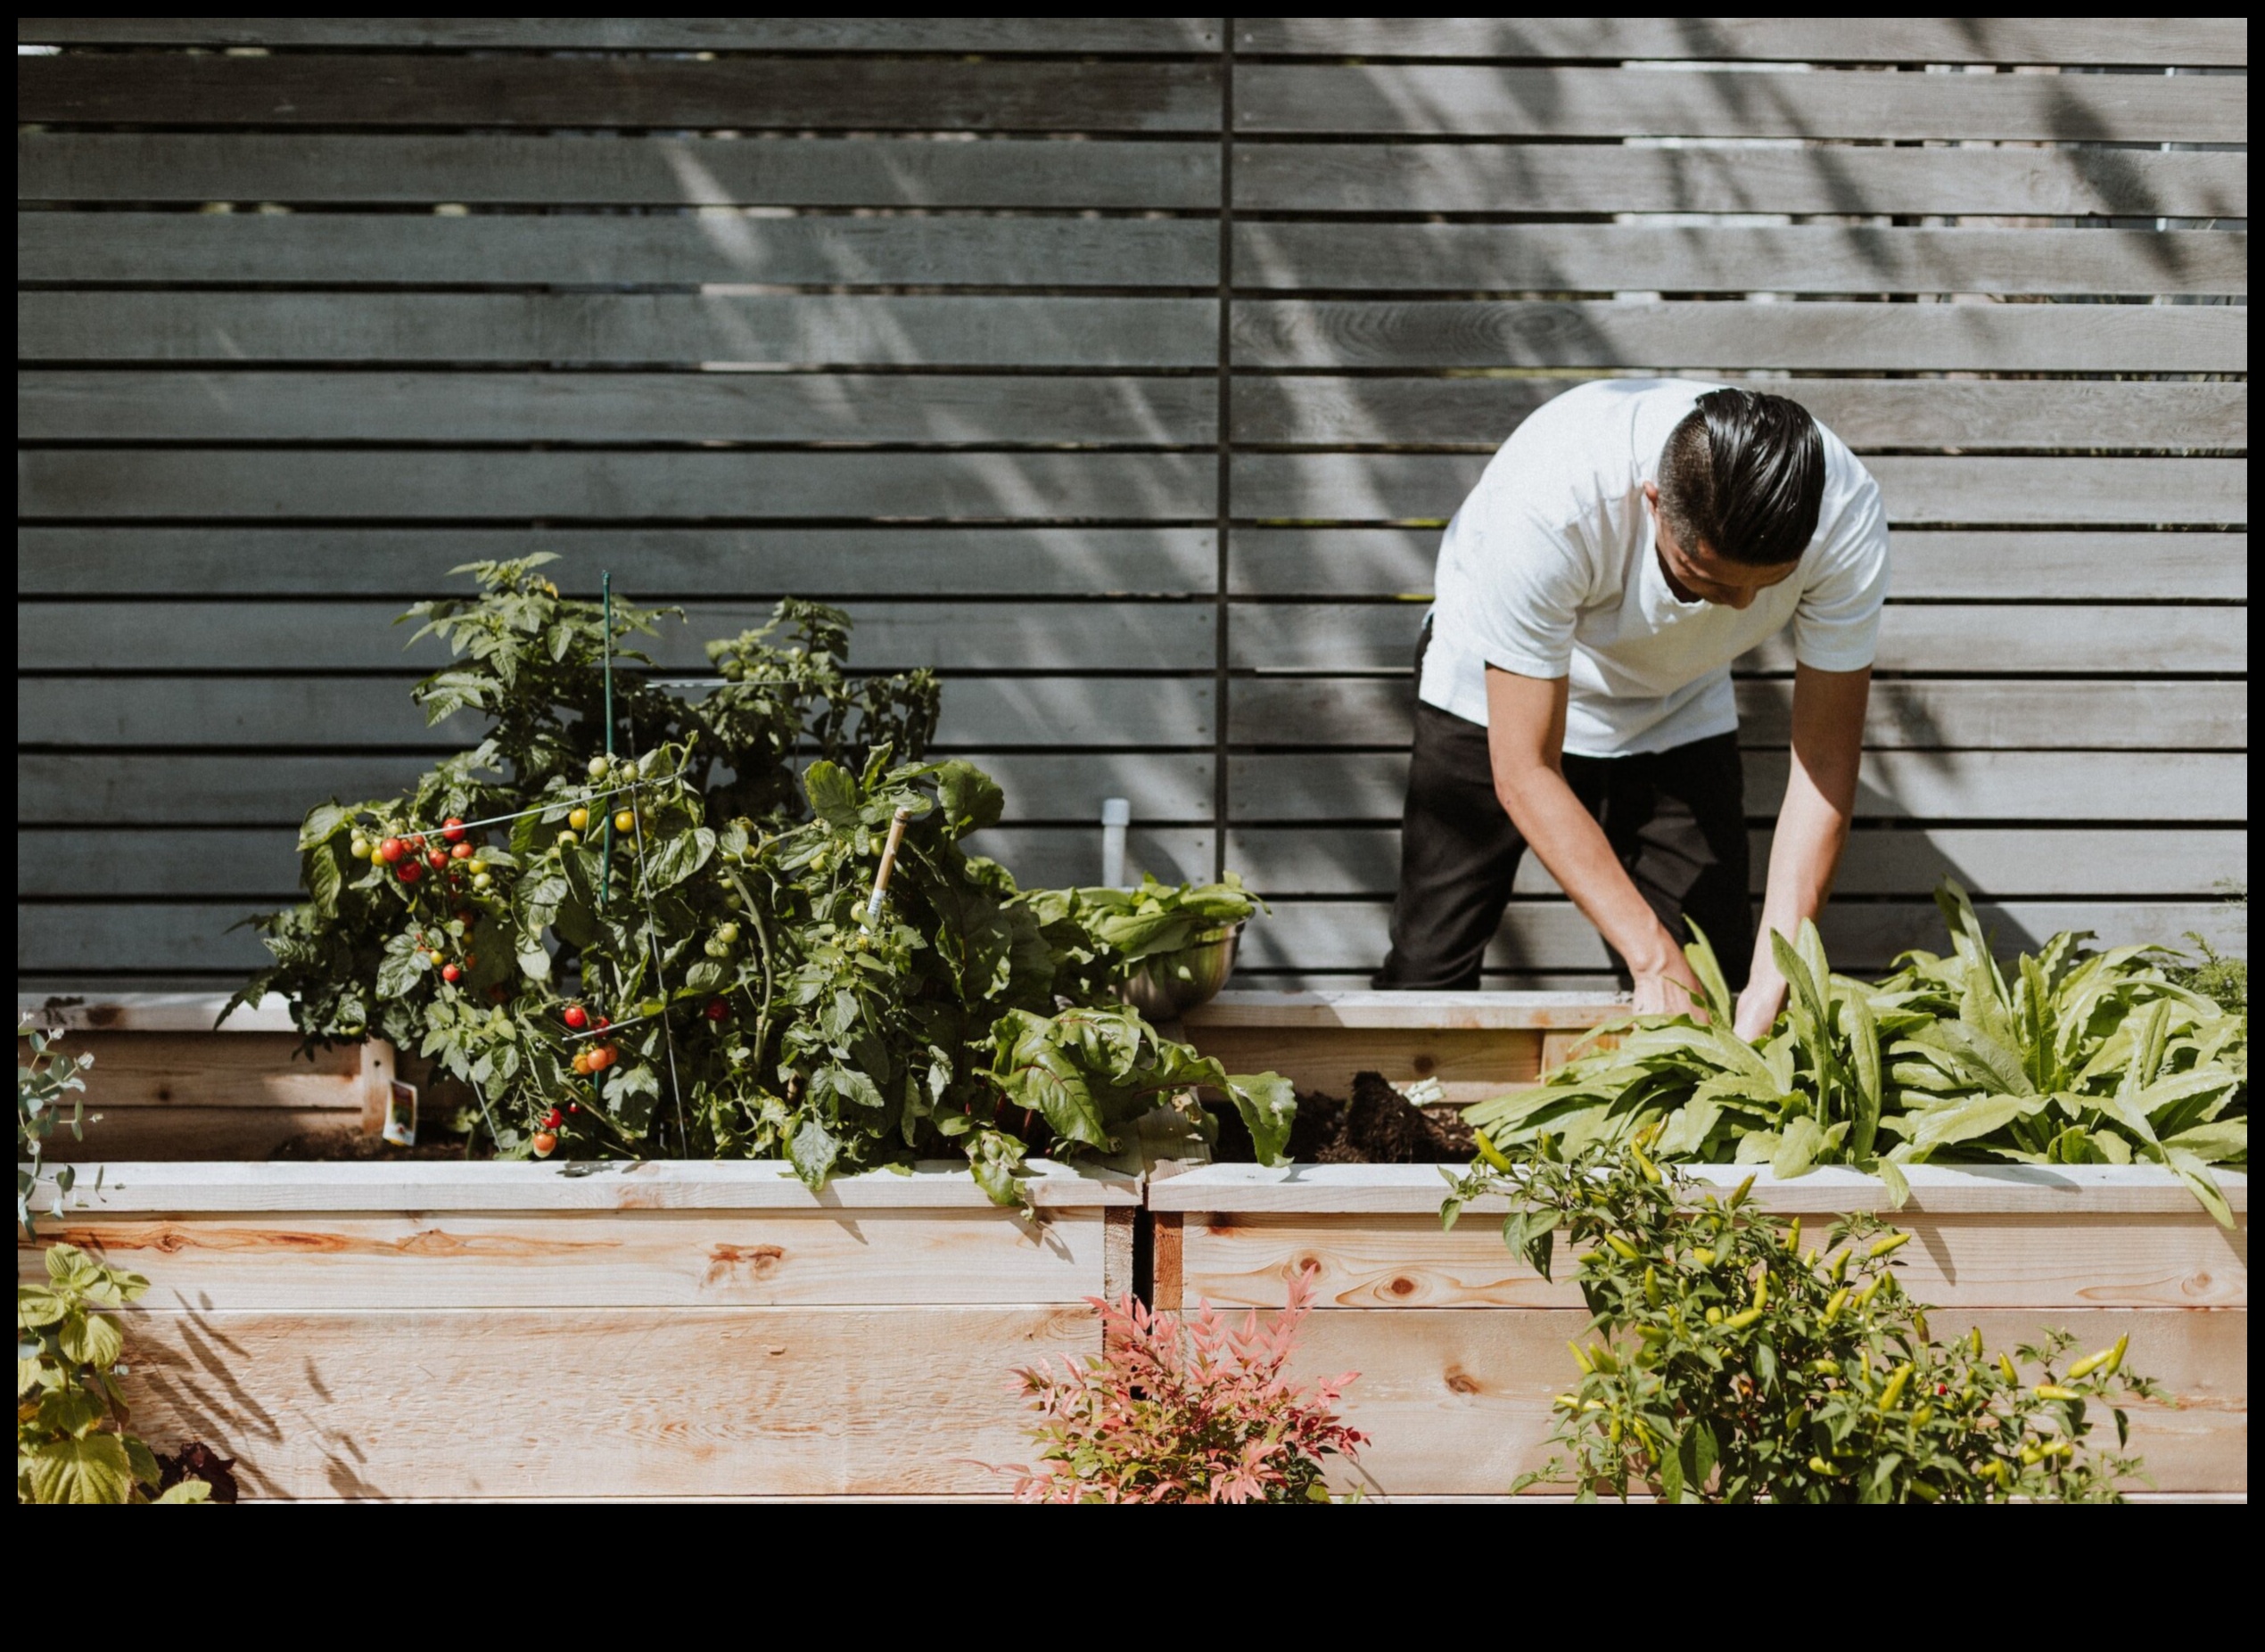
(342, 712)
(328, 1262)
(1243, 1259)
(1459, 1403)
(164, 1070)
(1993, 40)
(2003, 714)
(1466, 101)
(955, 35)
(419, 1187)
(1968, 786)
(1974, 415)
(709, 330)
(191, 1134)
(1550, 935)
(360, 635)
(1700, 335)
(738, 93)
(625, 1401)
(1469, 1066)
(720, 245)
(1730, 178)
(1609, 258)
(474, 168)
(1402, 1011)
(1943, 637)
(1943, 1191)
(275, 793)
(1385, 487)
(2097, 565)
(262, 866)
(2026, 861)
(658, 563)
(57, 483)
(643, 407)
(155, 1012)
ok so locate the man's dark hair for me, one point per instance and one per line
(1743, 476)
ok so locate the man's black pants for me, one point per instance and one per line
(1676, 818)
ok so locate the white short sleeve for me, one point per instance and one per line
(1836, 627)
(1523, 618)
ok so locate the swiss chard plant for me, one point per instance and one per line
(1725, 1363)
(686, 948)
(2070, 1055)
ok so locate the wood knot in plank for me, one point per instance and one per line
(759, 1262)
(1460, 1381)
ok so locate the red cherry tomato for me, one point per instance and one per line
(603, 1024)
(573, 1106)
(576, 1017)
(601, 1058)
(409, 871)
(554, 1119)
(718, 1009)
(437, 858)
(546, 1144)
(462, 851)
(452, 828)
(417, 843)
(452, 974)
(391, 850)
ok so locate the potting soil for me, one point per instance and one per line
(1377, 1125)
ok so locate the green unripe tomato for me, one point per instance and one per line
(727, 933)
(359, 848)
(484, 881)
(599, 767)
(567, 836)
(716, 950)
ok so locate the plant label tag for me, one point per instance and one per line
(400, 1115)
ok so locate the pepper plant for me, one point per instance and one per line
(2072, 1056)
(686, 950)
(1725, 1363)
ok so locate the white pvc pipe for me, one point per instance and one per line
(1116, 814)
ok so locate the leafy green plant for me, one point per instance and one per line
(687, 949)
(1196, 1412)
(2072, 1056)
(1120, 929)
(72, 1444)
(42, 1083)
(1725, 1364)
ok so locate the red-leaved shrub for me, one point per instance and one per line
(1199, 1413)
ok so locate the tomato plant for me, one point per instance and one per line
(701, 959)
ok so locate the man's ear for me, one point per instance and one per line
(1652, 495)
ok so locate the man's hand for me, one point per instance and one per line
(1671, 990)
(1759, 1003)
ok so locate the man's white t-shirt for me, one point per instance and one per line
(1549, 571)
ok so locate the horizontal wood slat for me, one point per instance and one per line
(1589, 258)
(57, 483)
(276, 791)
(2167, 786)
(1929, 564)
(1735, 178)
(1351, 935)
(1993, 40)
(1944, 638)
(1914, 489)
(1459, 1404)
(630, 328)
(129, 404)
(2036, 338)
(2028, 861)
(260, 863)
(955, 35)
(720, 245)
(334, 636)
(1466, 101)
(1971, 415)
(335, 711)
(868, 94)
(2007, 715)
(654, 562)
(663, 171)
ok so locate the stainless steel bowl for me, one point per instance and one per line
(1168, 985)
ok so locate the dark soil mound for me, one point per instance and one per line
(1378, 1126)
(347, 1145)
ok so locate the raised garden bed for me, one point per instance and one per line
(661, 1331)
(1460, 1344)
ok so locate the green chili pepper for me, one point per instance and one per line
(1650, 1170)
(1825, 1368)
(2089, 1363)
(1739, 1198)
(1793, 1236)
(2056, 1391)
(1601, 1357)
(1580, 1359)
(1921, 1417)
(1973, 1342)
(1840, 1266)
(2005, 1369)
(1651, 1288)
(1621, 1247)
(2115, 1356)
(1740, 1321)
(1834, 1303)
(1924, 1492)
(1818, 1466)
(1714, 1316)
(1761, 1290)
(1894, 1241)
(1489, 1152)
(1704, 1257)
(1897, 1382)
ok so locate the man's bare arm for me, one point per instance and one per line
(1526, 740)
(1812, 825)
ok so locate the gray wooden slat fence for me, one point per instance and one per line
(1125, 370)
